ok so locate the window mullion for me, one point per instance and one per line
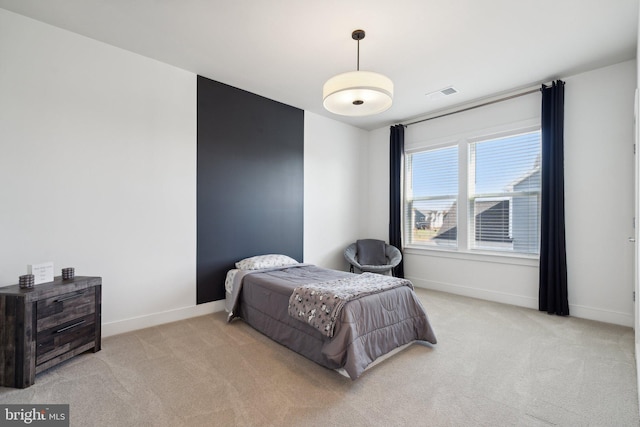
(463, 198)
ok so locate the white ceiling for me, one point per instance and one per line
(286, 49)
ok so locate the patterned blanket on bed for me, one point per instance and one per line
(320, 304)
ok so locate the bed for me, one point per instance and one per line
(268, 291)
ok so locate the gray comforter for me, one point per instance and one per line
(366, 328)
(320, 304)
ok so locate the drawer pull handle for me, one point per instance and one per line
(69, 297)
(69, 327)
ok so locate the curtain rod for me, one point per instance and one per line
(484, 104)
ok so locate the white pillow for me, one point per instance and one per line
(265, 261)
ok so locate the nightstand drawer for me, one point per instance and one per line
(61, 309)
(58, 340)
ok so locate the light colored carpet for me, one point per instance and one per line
(494, 365)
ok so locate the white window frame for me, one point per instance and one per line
(463, 251)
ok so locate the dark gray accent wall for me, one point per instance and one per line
(250, 181)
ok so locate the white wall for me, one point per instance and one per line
(599, 177)
(599, 190)
(335, 189)
(378, 201)
(98, 172)
(97, 165)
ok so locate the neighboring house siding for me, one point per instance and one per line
(526, 210)
(492, 221)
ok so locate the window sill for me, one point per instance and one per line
(478, 256)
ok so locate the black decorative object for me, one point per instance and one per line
(27, 281)
(68, 273)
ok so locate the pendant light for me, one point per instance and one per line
(357, 93)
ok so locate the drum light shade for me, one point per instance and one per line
(358, 93)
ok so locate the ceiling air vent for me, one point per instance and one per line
(442, 93)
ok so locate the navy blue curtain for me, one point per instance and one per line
(553, 259)
(395, 192)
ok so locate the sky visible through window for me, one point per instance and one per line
(500, 163)
(435, 172)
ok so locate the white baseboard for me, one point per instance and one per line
(607, 316)
(147, 321)
(485, 294)
(583, 312)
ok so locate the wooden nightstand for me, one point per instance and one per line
(46, 325)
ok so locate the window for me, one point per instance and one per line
(504, 193)
(431, 207)
(496, 194)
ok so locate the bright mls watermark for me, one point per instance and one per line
(34, 415)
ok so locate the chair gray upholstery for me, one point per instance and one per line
(393, 259)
